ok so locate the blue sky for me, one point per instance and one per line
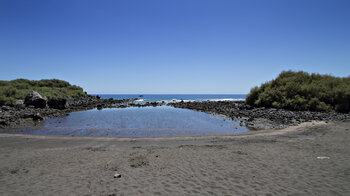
(172, 46)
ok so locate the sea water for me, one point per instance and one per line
(160, 121)
(177, 97)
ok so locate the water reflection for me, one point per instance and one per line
(158, 121)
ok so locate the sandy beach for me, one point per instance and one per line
(310, 159)
(174, 98)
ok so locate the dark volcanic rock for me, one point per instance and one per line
(22, 116)
(35, 116)
(260, 118)
(35, 99)
(20, 105)
(3, 122)
(60, 103)
(6, 108)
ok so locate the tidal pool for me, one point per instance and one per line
(160, 121)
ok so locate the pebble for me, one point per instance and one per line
(323, 158)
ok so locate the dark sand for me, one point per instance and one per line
(265, 163)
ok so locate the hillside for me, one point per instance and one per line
(303, 91)
(10, 91)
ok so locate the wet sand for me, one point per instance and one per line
(310, 159)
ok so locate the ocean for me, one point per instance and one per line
(177, 97)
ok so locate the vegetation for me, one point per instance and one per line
(303, 91)
(10, 91)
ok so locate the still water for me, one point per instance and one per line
(160, 121)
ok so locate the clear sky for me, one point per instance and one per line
(172, 46)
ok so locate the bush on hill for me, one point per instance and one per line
(303, 91)
(10, 91)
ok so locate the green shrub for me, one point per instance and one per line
(10, 91)
(303, 91)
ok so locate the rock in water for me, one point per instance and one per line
(35, 99)
(60, 103)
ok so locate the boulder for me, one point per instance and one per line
(20, 105)
(37, 116)
(19, 101)
(99, 107)
(60, 103)
(35, 99)
(3, 122)
(33, 115)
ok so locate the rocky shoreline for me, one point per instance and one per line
(254, 118)
(258, 118)
(23, 115)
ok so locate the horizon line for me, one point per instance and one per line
(169, 93)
